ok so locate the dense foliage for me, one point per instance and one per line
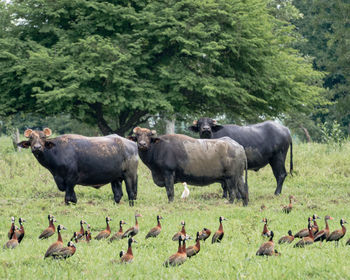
(114, 64)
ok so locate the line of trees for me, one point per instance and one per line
(113, 65)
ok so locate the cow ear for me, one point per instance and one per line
(132, 138)
(193, 128)
(27, 133)
(155, 140)
(153, 132)
(47, 131)
(216, 128)
(49, 144)
(24, 144)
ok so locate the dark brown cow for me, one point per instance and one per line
(89, 161)
(180, 158)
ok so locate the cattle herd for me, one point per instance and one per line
(223, 154)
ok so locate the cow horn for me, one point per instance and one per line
(27, 133)
(194, 122)
(214, 121)
(47, 131)
(135, 129)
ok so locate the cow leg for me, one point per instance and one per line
(129, 183)
(224, 190)
(117, 190)
(242, 188)
(279, 170)
(70, 195)
(230, 185)
(135, 186)
(60, 183)
(169, 185)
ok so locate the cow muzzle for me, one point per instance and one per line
(142, 145)
(36, 148)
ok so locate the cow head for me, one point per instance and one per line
(144, 137)
(205, 127)
(37, 140)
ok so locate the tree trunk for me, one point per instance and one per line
(170, 126)
(15, 139)
(307, 135)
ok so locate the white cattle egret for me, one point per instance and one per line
(186, 191)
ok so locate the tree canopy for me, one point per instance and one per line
(116, 63)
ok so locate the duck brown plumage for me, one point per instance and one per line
(287, 238)
(127, 257)
(304, 232)
(315, 227)
(104, 233)
(20, 232)
(204, 234)
(118, 235)
(265, 231)
(65, 252)
(50, 230)
(308, 240)
(79, 234)
(13, 242)
(194, 250)
(267, 248)
(323, 234)
(131, 232)
(177, 235)
(176, 259)
(57, 245)
(339, 233)
(219, 234)
(12, 228)
(154, 232)
(288, 208)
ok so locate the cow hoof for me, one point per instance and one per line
(131, 203)
(277, 193)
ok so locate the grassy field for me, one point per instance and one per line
(321, 185)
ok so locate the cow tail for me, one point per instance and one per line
(246, 177)
(291, 159)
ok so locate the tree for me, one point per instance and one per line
(116, 63)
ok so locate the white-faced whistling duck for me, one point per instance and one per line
(262, 207)
(265, 231)
(323, 234)
(177, 235)
(128, 256)
(131, 232)
(304, 232)
(13, 242)
(75, 237)
(267, 248)
(339, 233)
(50, 230)
(104, 233)
(308, 240)
(57, 245)
(65, 252)
(204, 234)
(219, 234)
(178, 258)
(194, 250)
(154, 232)
(80, 234)
(288, 208)
(315, 226)
(88, 233)
(118, 235)
(20, 232)
(287, 238)
(12, 228)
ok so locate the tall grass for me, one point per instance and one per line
(321, 185)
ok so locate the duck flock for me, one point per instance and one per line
(57, 250)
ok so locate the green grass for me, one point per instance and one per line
(320, 185)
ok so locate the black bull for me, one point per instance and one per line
(179, 158)
(264, 143)
(89, 161)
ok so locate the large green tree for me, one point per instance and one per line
(116, 63)
(326, 27)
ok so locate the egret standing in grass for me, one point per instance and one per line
(186, 191)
